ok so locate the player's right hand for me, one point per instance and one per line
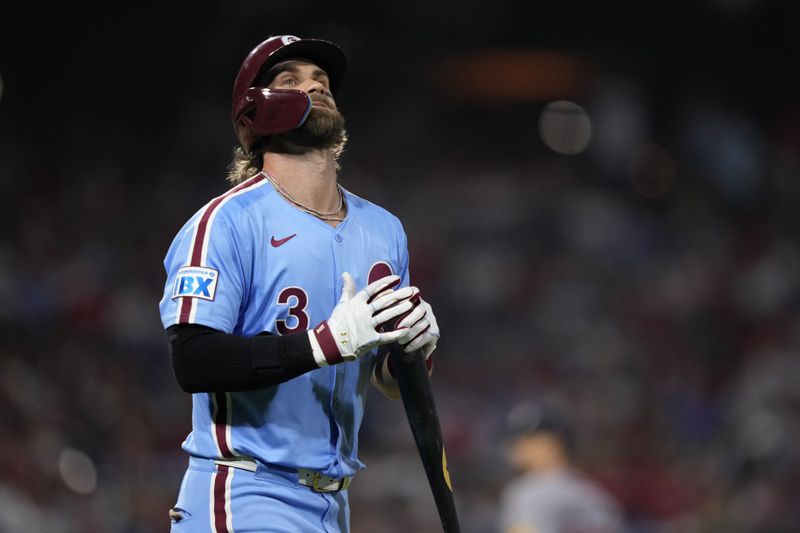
(353, 328)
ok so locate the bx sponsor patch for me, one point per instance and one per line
(195, 282)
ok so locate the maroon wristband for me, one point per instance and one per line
(328, 344)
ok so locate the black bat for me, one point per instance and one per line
(415, 389)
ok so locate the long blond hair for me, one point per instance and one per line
(244, 165)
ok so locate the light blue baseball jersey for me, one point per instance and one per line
(250, 262)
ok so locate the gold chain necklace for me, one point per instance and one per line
(322, 215)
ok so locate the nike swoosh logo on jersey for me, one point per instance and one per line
(277, 242)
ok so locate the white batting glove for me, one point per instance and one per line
(351, 331)
(422, 330)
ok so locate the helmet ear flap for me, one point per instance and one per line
(256, 115)
(262, 112)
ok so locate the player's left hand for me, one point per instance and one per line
(423, 331)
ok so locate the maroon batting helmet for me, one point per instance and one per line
(258, 112)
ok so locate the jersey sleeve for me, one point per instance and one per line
(206, 273)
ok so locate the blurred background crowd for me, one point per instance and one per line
(601, 203)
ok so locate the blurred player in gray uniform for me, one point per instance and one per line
(550, 495)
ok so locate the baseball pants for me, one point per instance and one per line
(223, 499)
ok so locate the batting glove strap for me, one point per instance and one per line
(323, 345)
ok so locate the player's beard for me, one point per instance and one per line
(323, 129)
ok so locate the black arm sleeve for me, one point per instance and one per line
(207, 360)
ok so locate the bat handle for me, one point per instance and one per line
(418, 401)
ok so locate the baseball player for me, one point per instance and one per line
(278, 294)
(550, 495)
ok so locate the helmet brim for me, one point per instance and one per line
(324, 54)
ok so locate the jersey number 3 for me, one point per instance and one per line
(297, 300)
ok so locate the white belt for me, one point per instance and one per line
(320, 482)
(309, 478)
